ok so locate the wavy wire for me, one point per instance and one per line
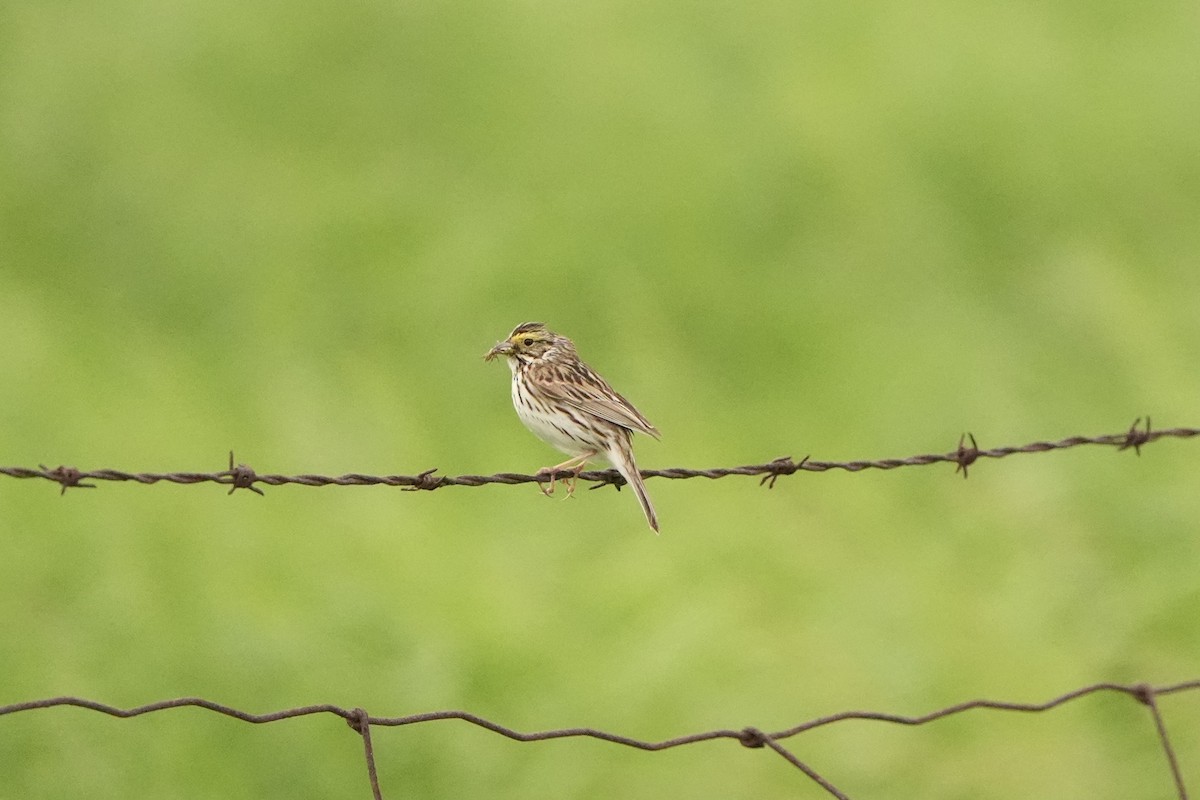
(362, 722)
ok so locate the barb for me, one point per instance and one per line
(753, 738)
(244, 477)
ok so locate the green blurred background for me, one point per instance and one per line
(845, 230)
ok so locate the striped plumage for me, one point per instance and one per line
(567, 405)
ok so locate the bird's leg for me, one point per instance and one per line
(572, 481)
(574, 465)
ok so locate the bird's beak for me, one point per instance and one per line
(504, 348)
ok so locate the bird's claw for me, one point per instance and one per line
(570, 481)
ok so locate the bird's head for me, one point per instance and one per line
(531, 341)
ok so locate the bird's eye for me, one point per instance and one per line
(528, 342)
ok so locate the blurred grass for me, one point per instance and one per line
(846, 231)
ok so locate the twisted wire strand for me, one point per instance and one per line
(240, 476)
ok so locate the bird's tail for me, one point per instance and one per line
(621, 457)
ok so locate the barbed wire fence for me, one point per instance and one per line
(362, 723)
(240, 476)
(966, 454)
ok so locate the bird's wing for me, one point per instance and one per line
(579, 386)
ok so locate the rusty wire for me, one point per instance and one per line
(362, 722)
(240, 476)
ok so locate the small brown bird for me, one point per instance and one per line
(564, 402)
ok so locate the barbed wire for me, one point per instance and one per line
(362, 722)
(241, 476)
(966, 454)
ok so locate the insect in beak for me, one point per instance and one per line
(501, 349)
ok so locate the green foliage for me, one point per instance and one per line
(850, 231)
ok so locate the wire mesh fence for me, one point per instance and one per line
(966, 454)
(750, 737)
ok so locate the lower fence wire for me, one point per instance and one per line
(750, 737)
(360, 721)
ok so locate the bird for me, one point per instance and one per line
(566, 404)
